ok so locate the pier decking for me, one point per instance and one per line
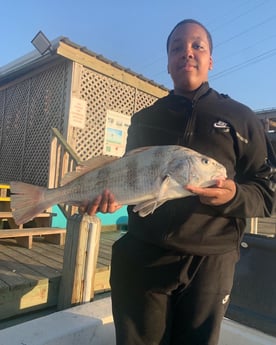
(29, 278)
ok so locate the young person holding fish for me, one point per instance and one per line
(172, 273)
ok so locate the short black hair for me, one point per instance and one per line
(192, 21)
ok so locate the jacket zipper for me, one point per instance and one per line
(190, 125)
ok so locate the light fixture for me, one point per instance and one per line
(41, 43)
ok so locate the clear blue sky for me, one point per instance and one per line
(133, 33)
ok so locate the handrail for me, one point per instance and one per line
(63, 160)
(64, 143)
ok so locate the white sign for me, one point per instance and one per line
(115, 133)
(77, 114)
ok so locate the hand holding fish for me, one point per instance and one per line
(223, 191)
(104, 203)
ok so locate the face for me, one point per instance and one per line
(189, 57)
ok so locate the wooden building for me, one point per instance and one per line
(69, 88)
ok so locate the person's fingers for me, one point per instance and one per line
(104, 203)
(82, 209)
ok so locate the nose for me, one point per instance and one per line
(187, 52)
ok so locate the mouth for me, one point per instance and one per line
(188, 66)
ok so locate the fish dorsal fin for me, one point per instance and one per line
(138, 150)
(86, 166)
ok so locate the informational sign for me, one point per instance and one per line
(77, 113)
(115, 133)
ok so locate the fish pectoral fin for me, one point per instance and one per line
(147, 207)
(164, 187)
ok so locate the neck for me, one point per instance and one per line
(187, 93)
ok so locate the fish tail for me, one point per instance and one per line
(27, 201)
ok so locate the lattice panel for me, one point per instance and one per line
(32, 108)
(103, 93)
(2, 110)
(13, 131)
(143, 100)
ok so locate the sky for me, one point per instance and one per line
(134, 34)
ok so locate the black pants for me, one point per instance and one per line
(159, 298)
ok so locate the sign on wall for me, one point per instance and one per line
(115, 133)
(77, 114)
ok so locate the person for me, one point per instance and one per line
(172, 272)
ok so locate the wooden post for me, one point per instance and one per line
(254, 225)
(80, 259)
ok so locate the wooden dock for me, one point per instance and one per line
(30, 278)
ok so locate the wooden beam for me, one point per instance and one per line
(110, 70)
(24, 236)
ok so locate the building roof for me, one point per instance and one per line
(266, 113)
(63, 46)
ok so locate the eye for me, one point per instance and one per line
(175, 49)
(205, 161)
(198, 46)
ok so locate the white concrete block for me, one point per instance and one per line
(238, 334)
(89, 323)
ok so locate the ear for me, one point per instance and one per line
(211, 63)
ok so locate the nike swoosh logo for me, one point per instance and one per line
(221, 124)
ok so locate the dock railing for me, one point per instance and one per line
(63, 160)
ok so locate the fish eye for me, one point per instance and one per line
(205, 161)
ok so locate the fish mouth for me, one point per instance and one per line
(213, 181)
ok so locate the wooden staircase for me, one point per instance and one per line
(39, 226)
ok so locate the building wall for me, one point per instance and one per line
(29, 107)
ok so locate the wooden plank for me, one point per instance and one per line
(101, 282)
(110, 70)
(25, 236)
(8, 214)
(53, 250)
(19, 268)
(10, 277)
(54, 257)
(41, 258)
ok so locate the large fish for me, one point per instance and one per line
(145, 177)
